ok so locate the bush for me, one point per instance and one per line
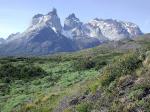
(100, 64)
(9, 72)
(84, 63)
(123, 66)
(83, 107)
(89, 63)
(28, 71)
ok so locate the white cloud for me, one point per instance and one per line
(5, 31)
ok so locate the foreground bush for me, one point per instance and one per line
(123, 66)
(83, 107)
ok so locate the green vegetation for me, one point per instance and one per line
(121, 66)
(9, 72)
(104, 78)
(83, 107)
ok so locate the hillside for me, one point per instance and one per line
(113, 77)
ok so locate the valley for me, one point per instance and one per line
(111, 77)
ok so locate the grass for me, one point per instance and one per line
(60, 75)
(104, 68)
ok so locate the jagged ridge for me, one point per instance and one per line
(46, 35)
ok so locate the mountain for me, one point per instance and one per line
(12, 35)
(46, 35)
(101, 29)
(42, 37)
(2, 40)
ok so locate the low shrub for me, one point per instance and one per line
(9, 72)
(123, 66)
(100, 65)
(89, 63)
(83, 107)
(84, 63)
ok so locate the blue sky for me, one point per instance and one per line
(15, 15)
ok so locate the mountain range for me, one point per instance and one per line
(46, 35)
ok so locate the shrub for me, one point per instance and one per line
(9, 72)
(123, 66)
(100, 64)
(31, 71)
(84, 63)
(4, 88)
(83, 107)
(134, 95)
(147, 61)
(89, 63)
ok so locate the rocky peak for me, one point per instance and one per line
(38, 16)
(132, 29)
(73, 16)
(72, 22)
(116, 30)
(36, 19)
(51, 19)
(53, 12)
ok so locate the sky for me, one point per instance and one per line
(16, 15)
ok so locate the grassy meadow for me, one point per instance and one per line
(106, 78)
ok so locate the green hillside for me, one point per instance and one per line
(113, 77)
